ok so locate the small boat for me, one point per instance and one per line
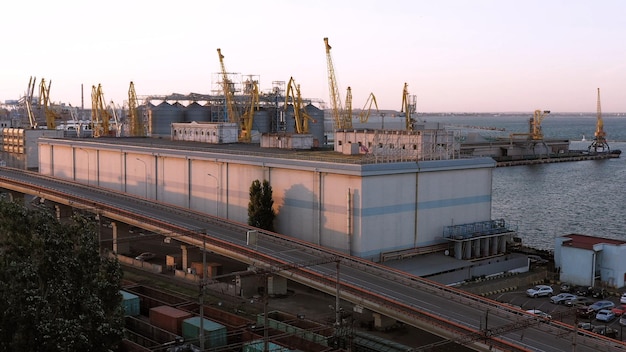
(584, 139)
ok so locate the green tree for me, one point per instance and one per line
(56, 292)
(260, 209)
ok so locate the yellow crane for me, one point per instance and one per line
(247, 118)
(535, 124)
(299, 113)
(367, 108)
(228, 88)
(599, 141)
(406, 108)
(99, 115)
(135, 121)
(28, 102)
(44, 103)
(341, 117)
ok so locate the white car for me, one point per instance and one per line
(539, 313)
(622, 299)
(539, 290)
(561, 298)
(145, 256)
(605, 315)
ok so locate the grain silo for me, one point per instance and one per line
(197, 112)
(316, 125)
(161, 117)
(262, 121)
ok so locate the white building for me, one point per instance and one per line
(343, 202)
(585, 260)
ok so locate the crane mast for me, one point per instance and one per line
(341, 118)
(136, 123)
(535, 124)
(28, 101)
(599, 141)
(99, 115)
(44, 102)
(228, 89)
(248, 116)
(406, 108)
(300, 116)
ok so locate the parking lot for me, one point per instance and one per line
(560, 312)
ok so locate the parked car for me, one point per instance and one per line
(539, 313)
(565, 287)
(605, 315)
(622, 320)
(622, 299)
(145, 256)
(561, 298)
(602, 305)
(619, 310)
(539, 290)
(586, 326)
(579, 301)
(583, 291)
(599, 293)
(605, 330)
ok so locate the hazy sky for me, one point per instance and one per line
(455, 55)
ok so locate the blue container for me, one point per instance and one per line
(130, 303)
(259, 346)
(214, 333)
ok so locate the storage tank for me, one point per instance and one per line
(161, 117)
(130, 303)
(197, 112)
(262, 121)
(316, 127)
(214, 333)
(290, 122)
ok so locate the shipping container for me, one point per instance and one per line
(130, 303)
(259, 346)
(168, 318)
(214, 333)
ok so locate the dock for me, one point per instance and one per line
(571, 156)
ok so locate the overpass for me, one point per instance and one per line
(455, 315)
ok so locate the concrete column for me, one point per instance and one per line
(16, 197)
(484, 246)
(119, 246)
(382, 321)
(476, 248)
(502, 244)
(458, 250)
(468, 249)
(494, 244)
(185, 254)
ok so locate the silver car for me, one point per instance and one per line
(539, 290)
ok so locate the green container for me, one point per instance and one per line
(130, 303)
(214, 333)
(259, 346)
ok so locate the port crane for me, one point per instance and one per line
(99, 115)
(247, 118)
(28, 102)
(300, 116)
(408, 107)
(228, 89)
(135, 121)
(599, 141)
(535, 124)
(44, 103)
(342, 117)
(367, 108)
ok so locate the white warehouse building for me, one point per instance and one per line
(349, 203)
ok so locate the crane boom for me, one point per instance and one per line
(44, 102)
(599, 141)
(228, 89)
(367, 108)
(340, 117)
(535, 124)
(300, 116)
(28, 101)
(248, 116)
(406, 108)
(99, 114)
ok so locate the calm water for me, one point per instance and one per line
(550, 200)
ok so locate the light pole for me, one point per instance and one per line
(88, 177)
(145, 174)
(217, 190)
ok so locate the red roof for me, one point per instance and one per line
(587, 242)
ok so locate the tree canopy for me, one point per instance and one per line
(260, 209)
(56, 292)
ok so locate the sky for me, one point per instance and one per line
(455, 55)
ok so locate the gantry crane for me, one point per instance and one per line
(299, 113)
(599, 141)
(367, 108)
(135, 121)
(99, 115)
(341, 117)
(247, 118)
(44, 103)
(228, 88)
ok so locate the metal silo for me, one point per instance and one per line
(316, 127)
(262, 122)
(197, 112)
(162, 116)
(290, 122)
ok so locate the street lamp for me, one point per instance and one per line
(217, 190)
(145, 174)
